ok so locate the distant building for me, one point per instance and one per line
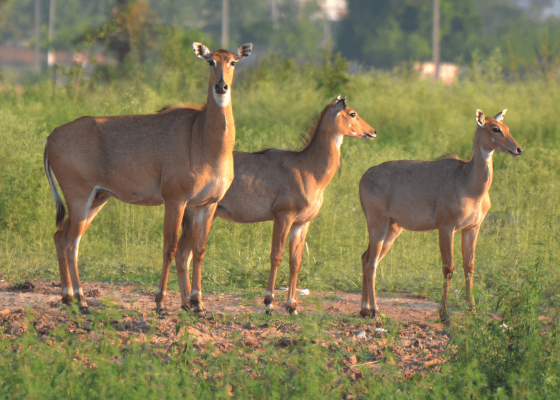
(335, 10)
(24, 56)
(448, 72)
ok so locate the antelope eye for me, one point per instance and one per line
(497, 130)
(212, 63)
(353, 115)
(233, 63)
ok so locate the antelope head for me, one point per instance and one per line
(348, 123)
(495, 135)
(222, 66)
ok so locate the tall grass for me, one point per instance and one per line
(517, 269)
(415, 119)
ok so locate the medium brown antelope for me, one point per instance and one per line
(177, 157)
(447, 195)
(283, 186)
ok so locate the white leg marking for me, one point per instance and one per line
(290, 301)
(486, 154)
(365, 305)
(200, 216)
(66, 291)
(91, 198)
(269, 307)
(194, 292)
(221, 99)
(268, 293)
(295, 232)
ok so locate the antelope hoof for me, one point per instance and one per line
(369, 313)
(198, 307)
(268, 305)
(162, 312)
(444, 316)
(292, 309)
(84, 310)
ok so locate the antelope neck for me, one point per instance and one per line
(480, 169)
(322, 157)
(219, 125)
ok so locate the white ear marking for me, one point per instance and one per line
(500, 116)
(480, 118)
(243, 51)
(201, 51)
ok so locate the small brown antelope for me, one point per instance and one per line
(285, 187)
(177, 157)
(447, 195)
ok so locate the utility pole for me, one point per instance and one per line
(51, 58)
(225, 23)
(274, 12)
(36, 60)
(301, 8)
(435, 38)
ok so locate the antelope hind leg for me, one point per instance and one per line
(370, 262)
(65, 281)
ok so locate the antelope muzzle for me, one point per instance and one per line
(221, 87)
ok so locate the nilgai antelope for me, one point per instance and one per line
(447, 195)
(285, 187)
(177, 157)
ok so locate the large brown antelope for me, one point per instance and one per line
(283, 186)
(177, 157)
(447, 195)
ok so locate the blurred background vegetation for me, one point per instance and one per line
(522, 36)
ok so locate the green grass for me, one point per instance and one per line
(415, 119)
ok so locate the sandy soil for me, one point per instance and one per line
(419, 346)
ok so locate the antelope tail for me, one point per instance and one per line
(60, 210)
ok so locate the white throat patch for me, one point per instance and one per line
(486, 154)
(221, 99)
(338, 140)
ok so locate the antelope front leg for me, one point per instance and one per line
(279, 233)
(446, 249)
(203, 217)
(171, 224)
(297, 242)
(183, 257)
(468, 247)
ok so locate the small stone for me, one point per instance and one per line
(361, 335)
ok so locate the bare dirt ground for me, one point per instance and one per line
(419, 345)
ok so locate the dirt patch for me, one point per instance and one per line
(419, 345)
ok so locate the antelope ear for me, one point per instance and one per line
(243, 51)
(201, 51)
(500, 116)
(480, 118)
(343, 102)
(336, 100)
